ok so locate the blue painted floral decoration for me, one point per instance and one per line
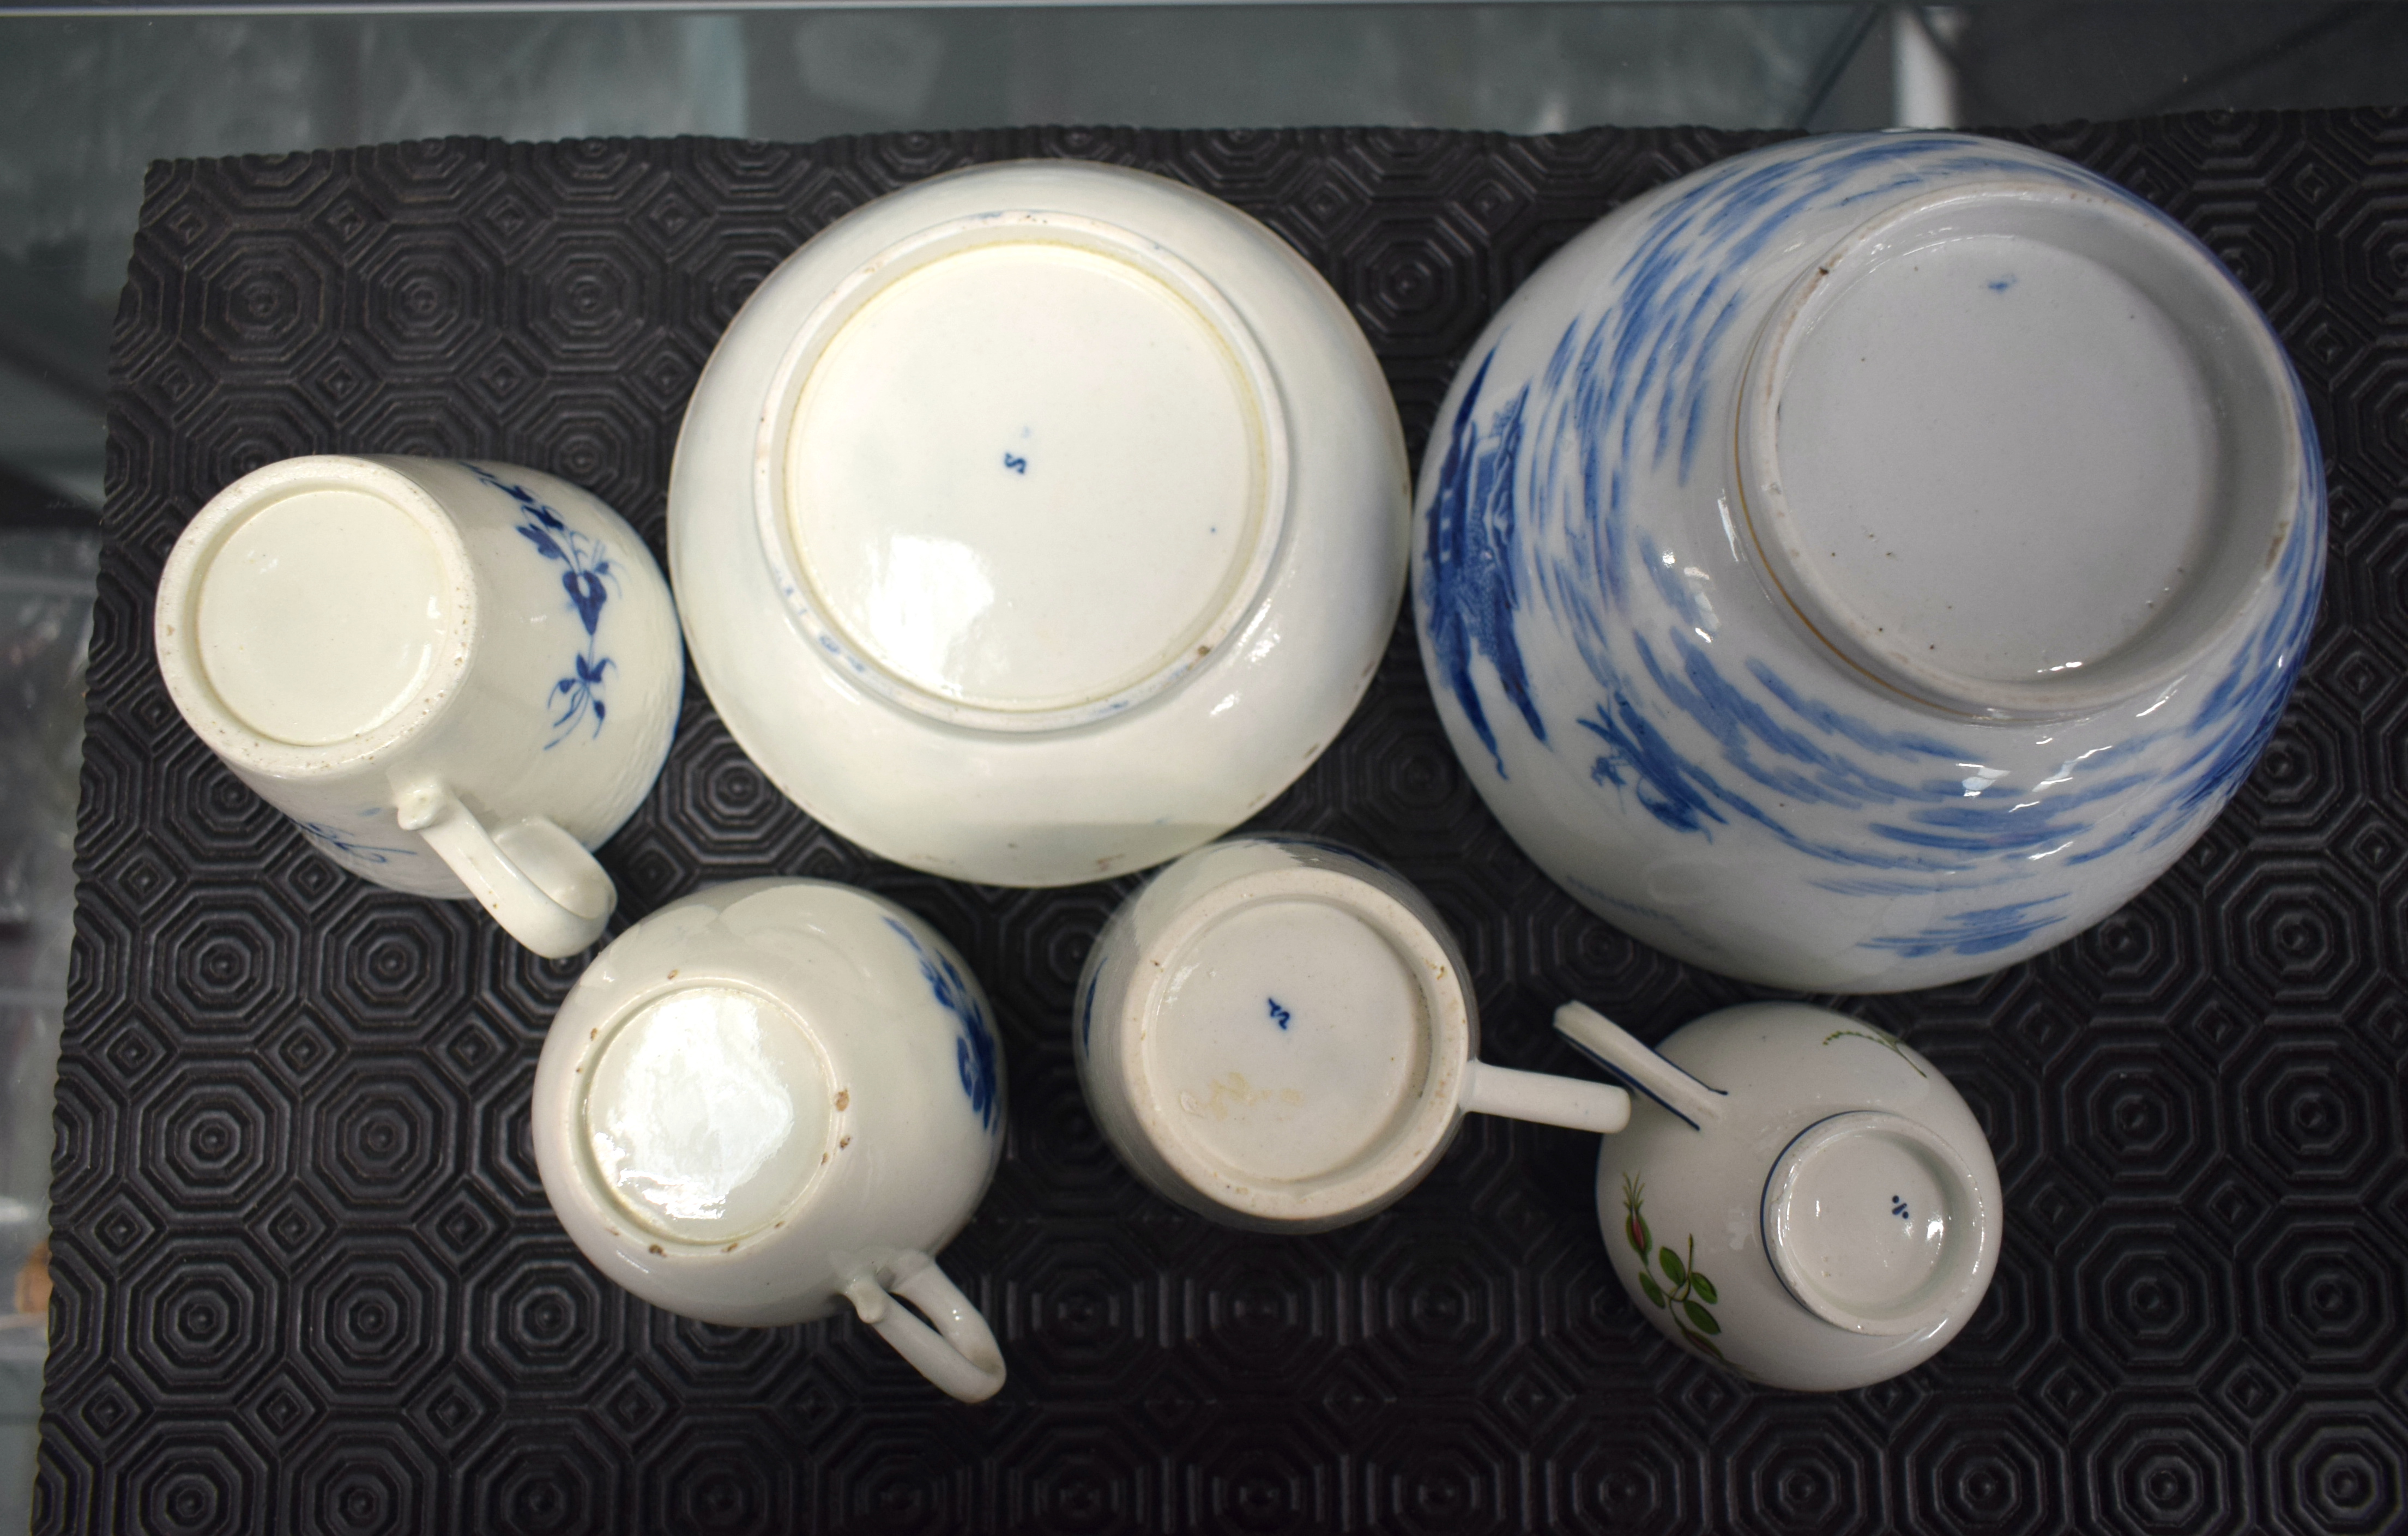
(589, 581)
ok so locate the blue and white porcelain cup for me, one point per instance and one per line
(458, 677)
(1277, 1033)
(774, 1099)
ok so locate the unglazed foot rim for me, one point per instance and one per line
(2219, 406)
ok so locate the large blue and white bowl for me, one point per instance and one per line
(1870, 560)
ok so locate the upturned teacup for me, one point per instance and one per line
(458, 677)
(772, 1101)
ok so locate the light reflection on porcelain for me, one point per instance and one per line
(774, 1100)
(924, 607)
(1730, 749)
(415, 658)
(1040, 522)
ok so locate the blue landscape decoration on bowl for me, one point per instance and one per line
(1657, 709)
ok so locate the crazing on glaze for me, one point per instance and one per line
(974, 1052)
(1533, 528)
(588, 580)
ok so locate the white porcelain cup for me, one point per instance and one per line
(1277, 1032)
(1803, 1197)
(774, 1098)
(458, 677)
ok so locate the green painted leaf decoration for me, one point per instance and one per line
(1670, 1262)
(1647, 1284)
(1699, 1318)
(1701, 1342)
(1705, 1287)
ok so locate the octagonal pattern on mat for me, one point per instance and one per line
(306, 1275)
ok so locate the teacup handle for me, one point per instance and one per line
(540, 883)
(1567, 1102)
(1618, 1050)
(964, 1361)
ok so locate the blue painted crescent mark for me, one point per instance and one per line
(1531, 506)
(1087, 1011)
(589, 581)
(1279, 1015)
(340, 842)
(974, 1052)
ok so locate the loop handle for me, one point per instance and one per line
(540, 883)
(964, 1361)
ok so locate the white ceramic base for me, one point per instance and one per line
(1278, 1033)
(1266, 1007)
(707, 1113)
(775, 1100)
(2000, 450)
(1876, 1223)
(1295, 1050)
(1028, 477)
(301, 655)
(1039, 523)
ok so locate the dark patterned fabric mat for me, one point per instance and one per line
(306, 1279)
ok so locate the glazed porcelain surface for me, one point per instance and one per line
(1799, 1196)
(1276, 1032)
(1870, 560)
(1039, 523)
(774, 1099)
(458, 677)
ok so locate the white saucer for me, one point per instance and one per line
(1039, 523)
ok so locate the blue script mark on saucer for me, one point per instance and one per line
(1279, 1015)
(1016, 463)
(588, 580)
(974, 1052)
(1898, 1208)
(341, 841)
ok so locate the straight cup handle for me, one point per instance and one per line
(1616, 1049)
(1569, 1101)
(959, 1354)
(540, 883)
